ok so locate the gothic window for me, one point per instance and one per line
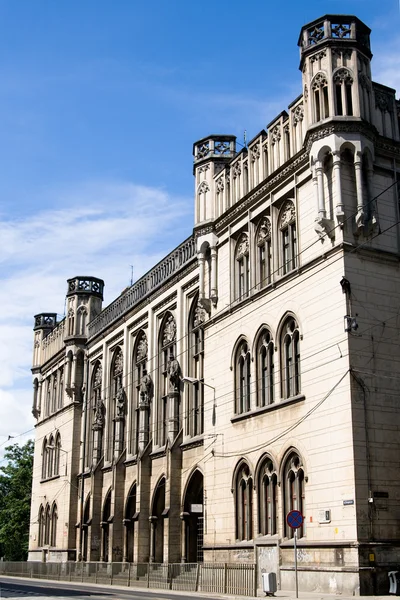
(244, 503)
(61, 389)
(264, 249)
(139, 370)
(287, 226)
(242, 378)
(50, 457)
(41, 531)
(167, 351)
(95, 417)
(116, 389)
(105, 524)
(47, 525)
(290, 358)
(48, 397)
(57, 451)
(196, 368)
(293, 492)
(319, 85)
(265, 369)
(54, 393)
(82, 320)
(129, 522)
(267, 498)
(242, 268)
(44, 459)
(53, 532)
(343, 83)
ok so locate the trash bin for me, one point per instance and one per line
(269, 583)
(394, 583)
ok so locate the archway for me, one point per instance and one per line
(85, 528)
(105, 523)
(129, 522)
(157, 524)
(194, 519)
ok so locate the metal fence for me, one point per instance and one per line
(222, 578)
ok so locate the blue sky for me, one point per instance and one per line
(100, 103)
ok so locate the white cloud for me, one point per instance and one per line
(100, 229)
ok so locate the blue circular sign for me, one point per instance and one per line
(294, 519)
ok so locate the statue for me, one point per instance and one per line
(174, 372)
(120, 402)
(146, 387)
(99, 411)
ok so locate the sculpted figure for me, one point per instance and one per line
(174, 372)
(99, 411)
(146, 386)
(120, 402)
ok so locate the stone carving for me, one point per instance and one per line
(220, 185)
(169, 333)
(324, 227)
(146, 389)
(203, 150)
(264, 232)
(341, 30)
(315, 35)
(204, 168)
(318, 56)
(342, 75)
(297, 114)
(288, 214)
(222, 148)
(237, 169)
(141, 353)
(364, 80)
(342, 52)
(275, 134)
(99, 412)
(199, 316)
(383, 101)
(120, 402)
(319, 81)
(242, 248)
(305, 94)
(255, 153)
(174, 373)
(118, 363)
(203, 188)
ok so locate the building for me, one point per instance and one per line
(255, 369)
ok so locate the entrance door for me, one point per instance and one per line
(195, 521)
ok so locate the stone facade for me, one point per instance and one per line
(255, 369)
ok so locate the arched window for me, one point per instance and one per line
(139, 371)
(54, 519)
(267, 498)
(95, 416)
(242, 378)
(50, 457)
(47, 525)
(82, 320)
(242, 268)
(167, 352)
(48, 397)
(264, 249)
(129, 522)
(41, 531)
(44, 459)
(57, 447)
(118, 400)
(293, 491)
(196, 369)
(244, 503)
(319, 85)
(54, 393)
(105, 524)
(61, 389)
(287, 226)
(290, 358)
(343, 82)
(265, 369)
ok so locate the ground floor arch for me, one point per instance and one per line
(193, 519)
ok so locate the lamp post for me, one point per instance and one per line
(193, 381)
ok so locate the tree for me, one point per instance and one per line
(15, 501)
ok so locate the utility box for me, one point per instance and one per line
(269, 583)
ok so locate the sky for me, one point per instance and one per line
(100, 103)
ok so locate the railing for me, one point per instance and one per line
(155, 278)
(221, 578)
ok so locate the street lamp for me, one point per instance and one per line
(193, 381)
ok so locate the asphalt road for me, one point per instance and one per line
(12, 587)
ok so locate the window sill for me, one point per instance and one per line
(270, 407)
(50, 478)
(193, 442)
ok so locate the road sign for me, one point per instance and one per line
(294, 519)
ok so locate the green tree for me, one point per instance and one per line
(15, 501)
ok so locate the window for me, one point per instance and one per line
(118, 396)
(61, 389)
(50, 457)
(47, 523)
(343, 82)
(54, 519)
(265, 369)
(57, 451)
(195, 369)
(41, 520)
(242, 379)
(287, 226)
(139, 373)
(290, 359)
(167, 352)
(105, 524)
(44, 459)
(244, 503)
(95, 417)
(267, 498)
(293, 491)
(264, 247)
(242, 275)
(319, 85)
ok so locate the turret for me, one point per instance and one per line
(84, 300)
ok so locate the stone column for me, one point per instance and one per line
(319, 169)
(336, 168)
(360, 199)
(184, 537)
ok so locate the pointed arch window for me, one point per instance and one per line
(343, 82)
(290, 359)
(196, 369)
(287, 226)
(95, 417)
(41, 532)
(167, 351)
(265, 368)
(53, 533)
(319, 85)
(44, 459)
(294, 493)
(242, 379)
(264, 249)
(118, 396)
(139, 371)
(50, 457)
(244, 503)
(105, 524)
(267, 498)
(47, 525)
(242, 268)
(57, 451)
(61, 389)
(129, 522)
